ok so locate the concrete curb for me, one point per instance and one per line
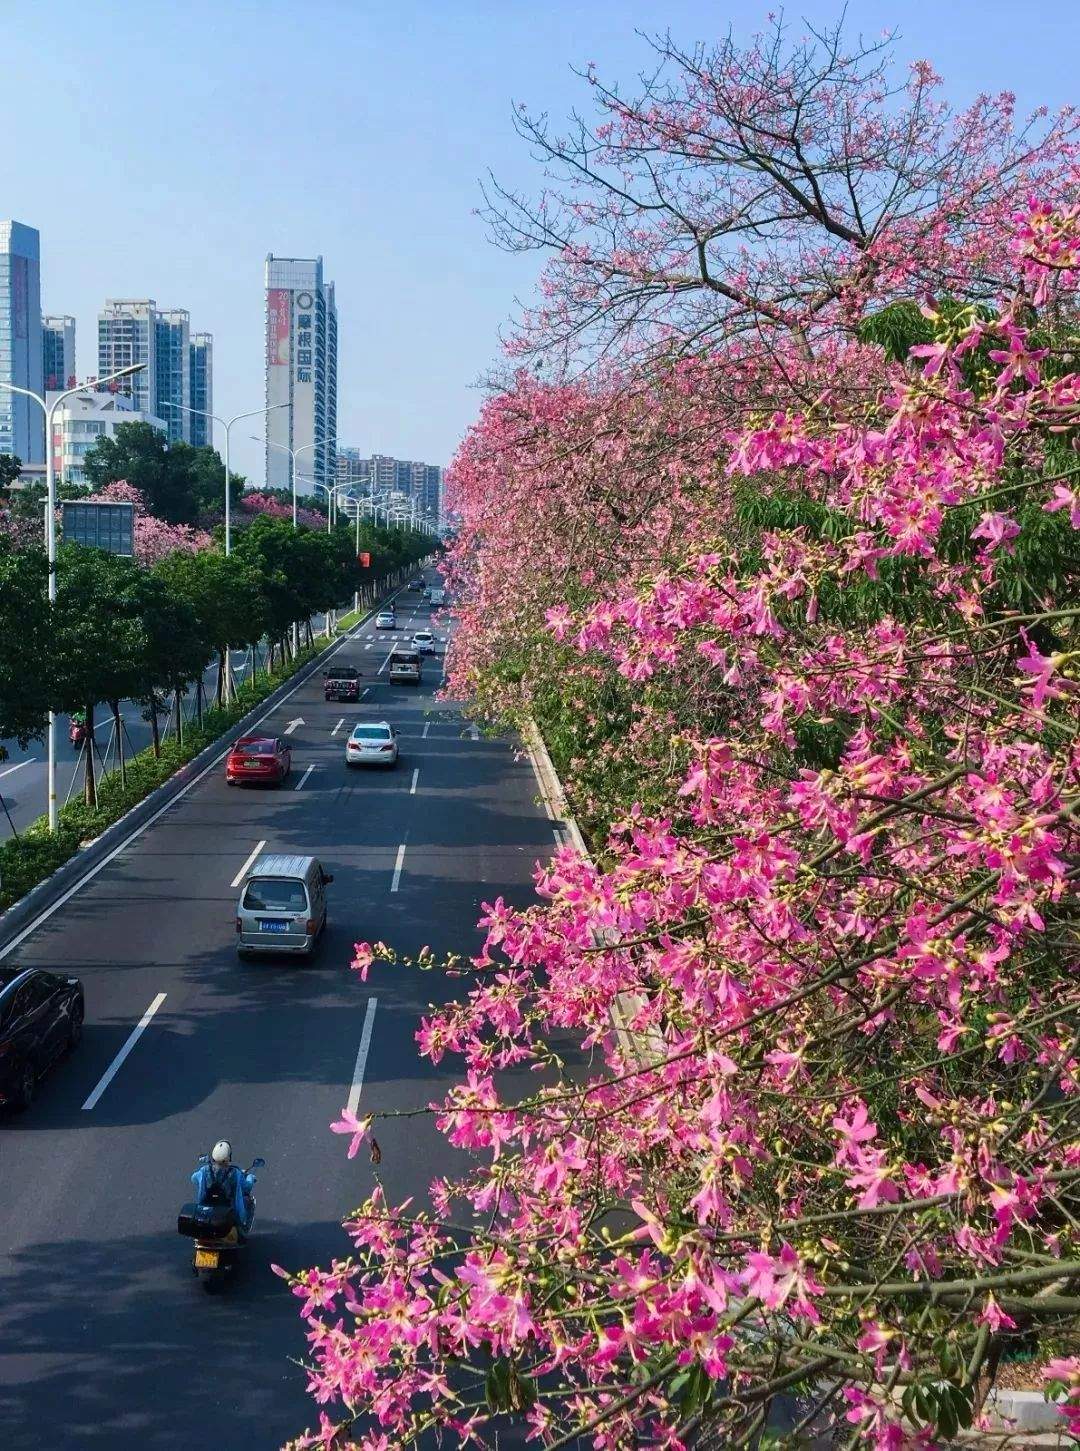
(17, 921)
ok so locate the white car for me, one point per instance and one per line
(372, 743)
(424, 642)
(386, 620)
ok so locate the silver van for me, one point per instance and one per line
(282, 906)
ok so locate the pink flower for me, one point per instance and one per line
(348, 1123)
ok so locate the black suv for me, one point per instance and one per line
(41, 1017)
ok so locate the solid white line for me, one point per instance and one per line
(340, 723)
(397, 868)
(385, 663)
(303, 778)
(427, 727)
(19, 765)
(242, 873)
(65, 897)
(415, 778)
(361, 1056)
(133, 1037)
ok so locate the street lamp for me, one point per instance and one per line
(227, 425)
(49, 410)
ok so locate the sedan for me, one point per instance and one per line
(372, 744)
(259, 758)
(386, 620)
(424, 642)
(41, 1017)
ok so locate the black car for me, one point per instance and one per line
(41, 1017)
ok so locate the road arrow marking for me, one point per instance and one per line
(299, 721)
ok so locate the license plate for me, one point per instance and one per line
(207, 1259)
(273, 926)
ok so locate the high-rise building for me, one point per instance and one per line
(136, 330)
(301, 371)
(385, 476)
(172, 398)
(202, 388)
(127, 333)
(22, 425)
(58, 353)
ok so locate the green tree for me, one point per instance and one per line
(178, 649)
(25, 642)
(10, 468)
(226, 592)
(177, 481)
(98, 636)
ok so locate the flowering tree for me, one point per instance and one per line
(763, 190)
(826, 954)
(154, 538)
(256, 502)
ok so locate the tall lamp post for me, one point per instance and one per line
(227, 425)
(49, 409)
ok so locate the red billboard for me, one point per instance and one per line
(278, 326)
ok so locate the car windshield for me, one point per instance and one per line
(275, 894)
(344, 672)
(422, 635)
(371, 733)
(255, 748)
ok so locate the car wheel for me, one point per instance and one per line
(76, 1026)
(27, 1083)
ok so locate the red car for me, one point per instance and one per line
(258, 758)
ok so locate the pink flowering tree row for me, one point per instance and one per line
(798, 614)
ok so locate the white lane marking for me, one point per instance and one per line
(397, 868)
(110, 857)
(242, 873)
(299, 721)
(303, 778)
(368, 645)
(427, 727)
(385, 663)
(363, 692)
(19, 765)
(415, 778)
(558, 836)
(340, 723)
(361, 1056)
(133, 1037)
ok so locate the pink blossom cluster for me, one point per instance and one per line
(154, 538)
(818, 1126)
(255, 502)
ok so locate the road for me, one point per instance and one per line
(23, 787)
(106, 1339)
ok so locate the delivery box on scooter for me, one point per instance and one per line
(206, 1221)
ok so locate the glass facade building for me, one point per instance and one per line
(22, 424)
(202, 388)
(138, 331)
(58, 353)
(173, 365)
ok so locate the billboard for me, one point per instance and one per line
(278, 326)
(109, 526)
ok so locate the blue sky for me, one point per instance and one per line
(162, 150)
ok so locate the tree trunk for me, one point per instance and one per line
(310, 636)
(154, 727)
(199, 700)
(89, 780)
(179, 701)
(118, 728)
(269, 657)
(221, 678)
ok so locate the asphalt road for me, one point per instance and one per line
(106, 1338)
(23, 784)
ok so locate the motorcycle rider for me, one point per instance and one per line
(220, 1180)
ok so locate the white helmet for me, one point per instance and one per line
(221, 1154)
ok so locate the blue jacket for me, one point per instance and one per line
(234, 1181)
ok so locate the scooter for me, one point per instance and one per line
(215, 1231)
(76, 732)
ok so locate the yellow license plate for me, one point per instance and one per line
(207, 1259)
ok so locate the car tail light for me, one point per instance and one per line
(389, 747)
(238, 926)
(309, 926)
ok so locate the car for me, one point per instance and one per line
(41, 1018)
(426, 596)
(282, 906)
(416, 584)
(258, 758)
(405, 667)
(424, 642)
(341, 682)
(386, 620)
(372, 743)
